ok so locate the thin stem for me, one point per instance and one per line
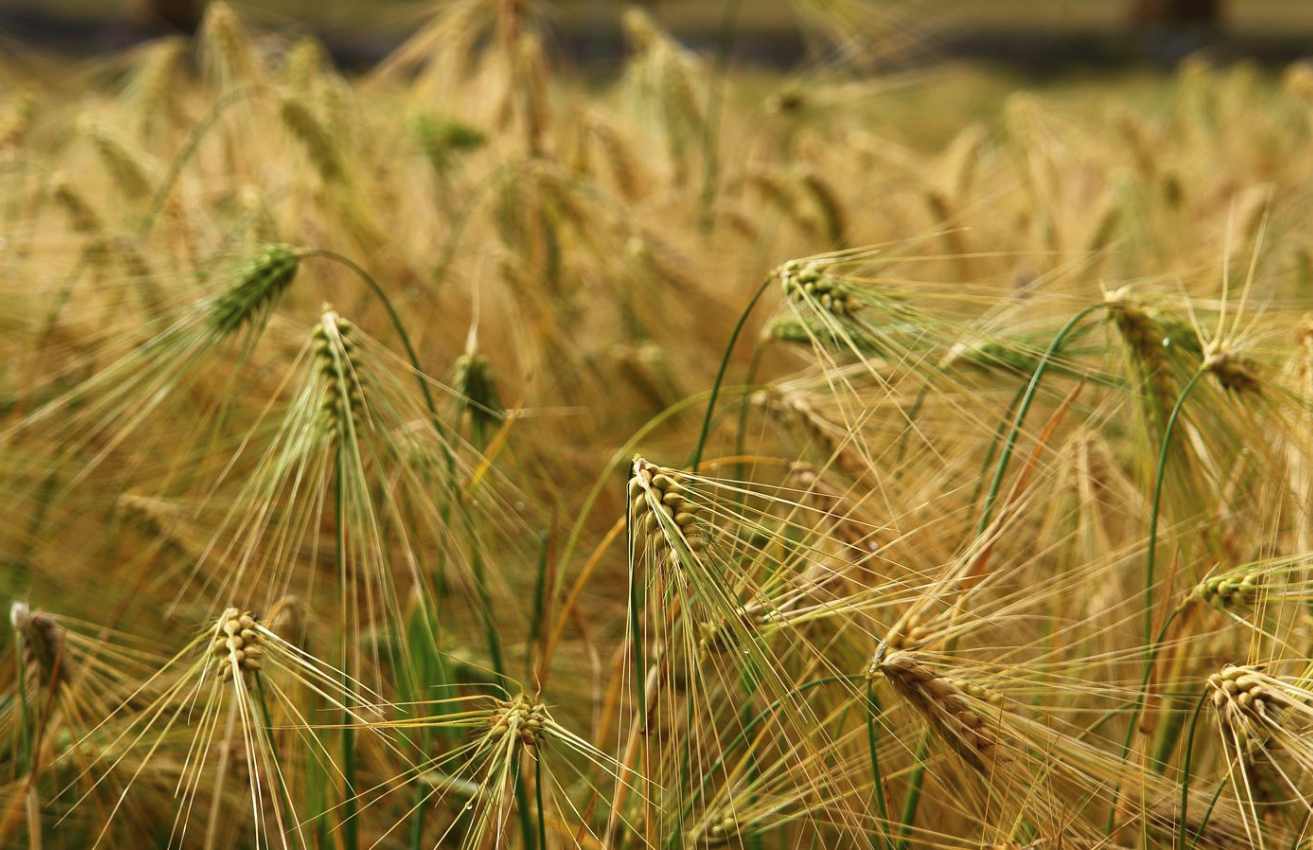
(874, 710)
(720, 374)
(913, 798)
(1149, 557)
(1186, 766)
(350, 829)
(189, 148)
(1022, 410)
(538, 792)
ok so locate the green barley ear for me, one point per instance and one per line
(343, 400)
(1229, 591)
(809, 284)
(661, 510)
(251, 298)
(443, 140)
(477, 387)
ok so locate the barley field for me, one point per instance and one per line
(473, 453)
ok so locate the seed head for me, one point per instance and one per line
(944, 703)
(1245, 700)
(261, 286)
(520, 717)
(237, 643)
(653, 494)
(1223, 592)
(343, 400)
(43, 644)
(809, 285)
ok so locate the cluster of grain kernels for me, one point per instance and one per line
(910, 634)
(338, 366)
(1241, 697)
(808, 284)
(943, 702)
(654, 493)
(1221, 592)
(521, 717)
(43, 643)
(238, 642)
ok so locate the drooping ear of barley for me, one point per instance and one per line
(944, 704)
(259, 289)
(43, 647)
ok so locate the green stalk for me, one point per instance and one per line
(1149, 561)
(1185, 767)
(1157, 502)
(874, 710)
(350, 828)
(720, 374)
(913, 798)
(1208, 814)
(1024, 408)
(538, 792)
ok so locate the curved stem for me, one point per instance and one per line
(1026, 400)
(189, 148)
(1149, 557)
(874, 710)
(720, 374)
(913, 799)
(1185, 767)
(397, 325)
